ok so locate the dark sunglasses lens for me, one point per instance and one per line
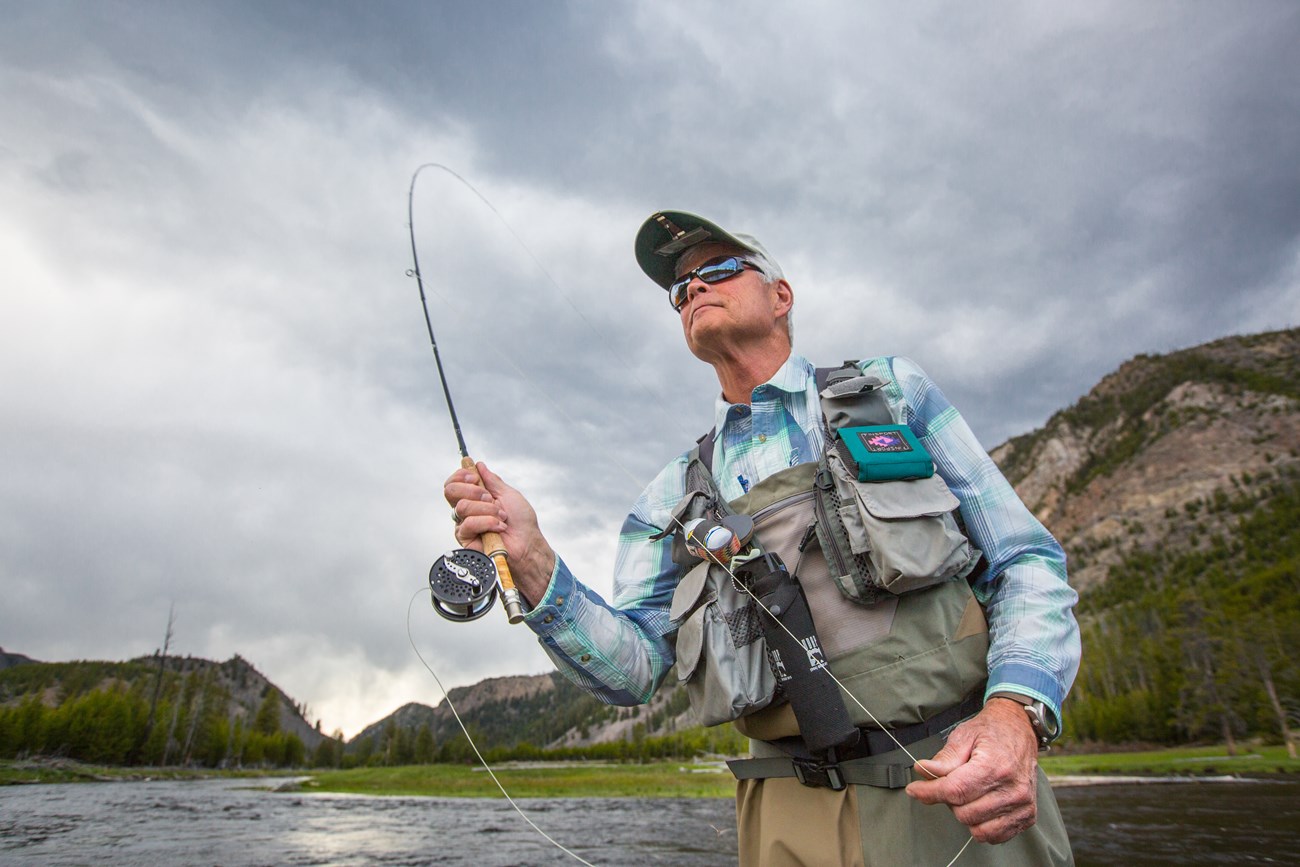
(677, 293)
(713, 272)
(719, 271)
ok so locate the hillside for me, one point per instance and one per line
(544, 710)
(1124, 468)
(8, 660)
(153, 710)
(1174, 486)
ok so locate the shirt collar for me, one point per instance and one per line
(792, 377)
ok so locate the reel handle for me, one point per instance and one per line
(496, 549)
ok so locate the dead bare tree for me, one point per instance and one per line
(162, 666)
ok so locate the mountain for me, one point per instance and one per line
(153, 710)
(544, 710)
(8, 660)
(1174, 487)
(1125, 468)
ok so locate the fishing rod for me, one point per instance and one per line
(464, 582)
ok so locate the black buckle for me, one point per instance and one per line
(818, 775)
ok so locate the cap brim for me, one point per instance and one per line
(665, 235)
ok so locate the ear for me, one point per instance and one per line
(784, 297)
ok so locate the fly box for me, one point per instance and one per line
(884, 453)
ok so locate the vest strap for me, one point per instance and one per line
(824, 775)
(852, 766)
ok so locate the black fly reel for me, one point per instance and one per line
(464, 585)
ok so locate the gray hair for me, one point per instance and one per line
(772, 273)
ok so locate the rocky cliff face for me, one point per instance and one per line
(1140, 459)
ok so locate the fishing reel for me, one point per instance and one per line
(463, 584)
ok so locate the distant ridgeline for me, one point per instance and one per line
(1174, 486)
(153, 711)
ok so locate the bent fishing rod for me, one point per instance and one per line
(464, 582)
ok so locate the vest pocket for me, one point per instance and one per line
(721, 654)
(888, 538)
(914, 540)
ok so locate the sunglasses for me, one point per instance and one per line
(713, 271)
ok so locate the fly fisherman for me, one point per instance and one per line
(886, 547)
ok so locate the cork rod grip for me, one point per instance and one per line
(496, 549)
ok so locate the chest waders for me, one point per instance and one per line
(883, 572)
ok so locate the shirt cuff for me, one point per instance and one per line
(1026, 680)
(552, 610)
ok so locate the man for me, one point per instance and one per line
(735, 306)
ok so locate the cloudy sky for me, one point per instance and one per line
(217, 388)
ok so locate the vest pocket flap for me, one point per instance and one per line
(911, 498)
(690, 643)
(688, 592)
(857, 401)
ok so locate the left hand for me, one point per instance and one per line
(986, 772)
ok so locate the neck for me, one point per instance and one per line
(740, 374)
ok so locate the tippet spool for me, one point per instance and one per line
(718, 541)
(464, 585)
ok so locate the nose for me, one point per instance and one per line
(695, 287)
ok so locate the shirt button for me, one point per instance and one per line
(548, 618)
(762, 438)
(586, 657)
(559, 600)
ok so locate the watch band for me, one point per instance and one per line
(1041, 718)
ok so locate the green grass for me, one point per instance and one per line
(69, 771)
(1183, 761)
(578, 780)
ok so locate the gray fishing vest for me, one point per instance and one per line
(895, 616)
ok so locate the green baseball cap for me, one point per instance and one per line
(665, 235)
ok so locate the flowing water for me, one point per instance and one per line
(232, 823)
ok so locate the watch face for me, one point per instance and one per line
(1042, 719)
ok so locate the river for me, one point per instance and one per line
(239, 823)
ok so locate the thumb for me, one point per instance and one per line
(955, 753)
(491, 481)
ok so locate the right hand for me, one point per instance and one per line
(486, 504)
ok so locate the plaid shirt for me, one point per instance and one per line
(620, 653)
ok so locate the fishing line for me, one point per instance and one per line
(626, 471)
(491, 773)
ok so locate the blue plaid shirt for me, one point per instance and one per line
(621, 652)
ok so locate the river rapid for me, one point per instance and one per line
(240, 823)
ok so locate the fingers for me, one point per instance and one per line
(986, 774)
(476, 510)
(996, 814)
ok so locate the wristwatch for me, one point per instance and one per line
(1046, 728)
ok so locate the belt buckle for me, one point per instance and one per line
(818, 775)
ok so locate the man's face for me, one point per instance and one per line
(719, 318)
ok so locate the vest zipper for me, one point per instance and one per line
(822, 482)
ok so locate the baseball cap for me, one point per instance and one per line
(665, 235)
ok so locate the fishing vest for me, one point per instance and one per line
(883, 565)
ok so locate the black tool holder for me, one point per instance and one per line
(796, 657)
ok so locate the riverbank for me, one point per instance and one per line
(659, 779)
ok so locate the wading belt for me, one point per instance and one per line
(855, 765)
